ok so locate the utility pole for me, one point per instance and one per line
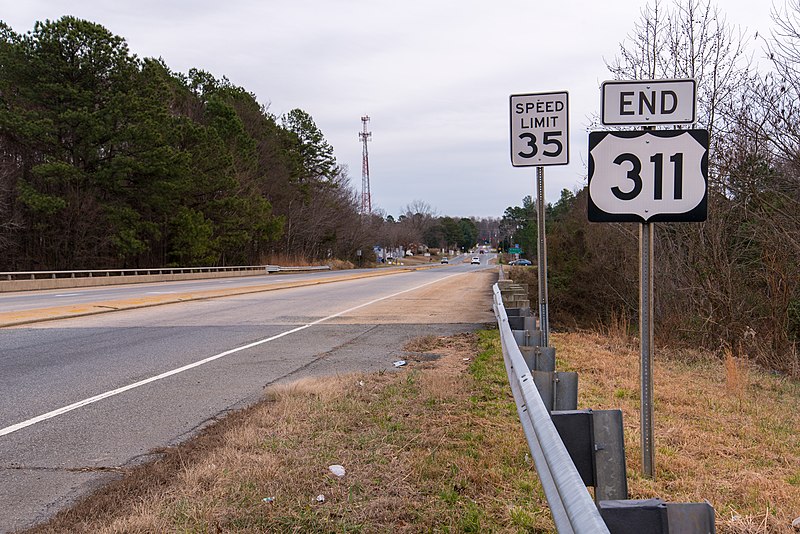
(366, 197)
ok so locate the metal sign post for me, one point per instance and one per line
(646, 235)
(541, 254)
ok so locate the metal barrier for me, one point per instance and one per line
(37, 280)
(293, 269)
(570, 503)
(575, 448)
(90, 273)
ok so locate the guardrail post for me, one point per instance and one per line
(595, 442)
(609, 453)
(558, 390)
(515, 296)
(522, 322)
(536, 358)
(654, 515)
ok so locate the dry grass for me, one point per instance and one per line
(285, 259)
(297, 260)
(725, 431)
(340, 265)
(422, 344)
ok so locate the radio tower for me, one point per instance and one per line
(366, 198)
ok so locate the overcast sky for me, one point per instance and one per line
(434, 76)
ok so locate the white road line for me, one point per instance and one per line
(67, 295)
(113, 392)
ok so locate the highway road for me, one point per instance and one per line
(27, 300)
(85, 397)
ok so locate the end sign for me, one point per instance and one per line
(539, 129)
(644, 102)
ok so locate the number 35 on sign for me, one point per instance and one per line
(539, 129)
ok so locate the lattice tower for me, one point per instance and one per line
(366, 198)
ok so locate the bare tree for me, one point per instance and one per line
(689, 40)
(752, 209)
(417, 219)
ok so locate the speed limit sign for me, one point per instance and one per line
(648, 176)
(539, 129)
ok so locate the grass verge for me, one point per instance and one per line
(434, 447)
(725, 431)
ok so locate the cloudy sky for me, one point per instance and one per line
(434, 76)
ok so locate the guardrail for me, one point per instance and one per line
(90, 273)
(31, 280)
(570, 503)
(573, 449)
(280, 269)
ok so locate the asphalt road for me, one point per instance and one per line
(84, 397)
(28, 300)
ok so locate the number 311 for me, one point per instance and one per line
(635, 176)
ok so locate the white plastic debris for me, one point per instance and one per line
(399, 363)
(320, 498)
(268, 500)
(361, 383)
(337, 470)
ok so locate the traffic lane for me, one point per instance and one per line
(47, 366)
(56, 297)
(484, 259)
(160, 298)
(47, 465)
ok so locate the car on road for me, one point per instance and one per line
(520, 262)
(445, 260)
(476, 260)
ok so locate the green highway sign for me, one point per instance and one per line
(513, 250)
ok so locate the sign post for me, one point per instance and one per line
(541, 255)
(648, 176)
(540, 137)
(646, 237)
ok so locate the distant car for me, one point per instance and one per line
(476, 260)
(445, 260)
(520, 262)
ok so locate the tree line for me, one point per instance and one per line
(110, 160)
(731, 283)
